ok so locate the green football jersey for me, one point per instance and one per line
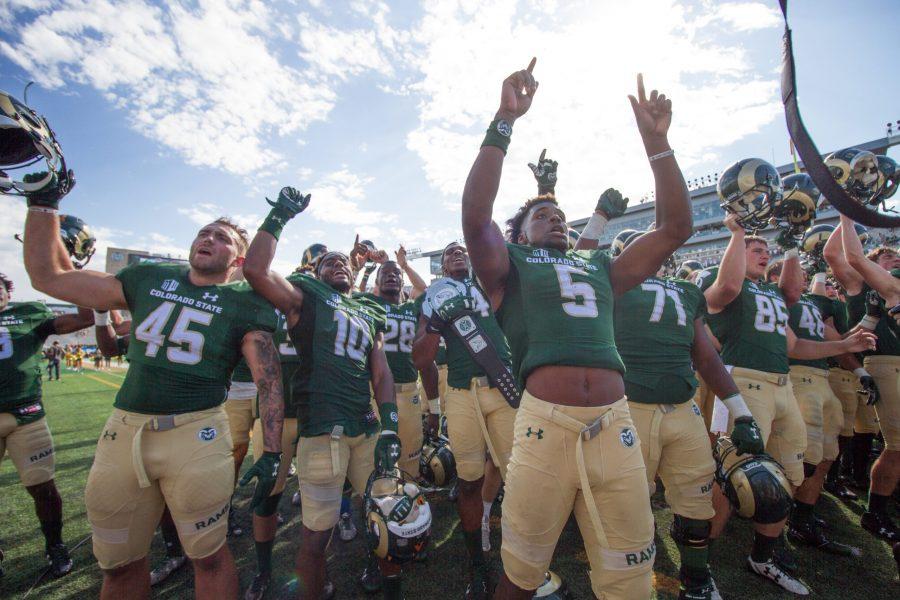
(558, 310)
(23, 329)
(461, 368)
(704, 280)
(807, 321)
(887, 343)
(334, 336)
(185, 339)
(400, 331)
(290, 361)
(242, 372)
(655, 334)
(753, 329)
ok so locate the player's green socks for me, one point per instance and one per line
(392, 588)
(264, 556)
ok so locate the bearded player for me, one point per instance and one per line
(167, 441)
(340, 342)
(479, 420)
(574, 444)
(23, 427)
(861, 276)
(750, 318)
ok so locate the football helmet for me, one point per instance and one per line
(888, 178)
(751, 189)
(437, 465)
(856, 171)
(311, 256)
(618, 243)
(815, 237)
(78, 239)
(688, 267)
(25, 139)
(398, 517)
(797, 208)
(755, 484)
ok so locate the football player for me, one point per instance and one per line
(399, 334)
(167, 441)
(479, 419)
(821, 411)
(750, 319)
(265, 515)
(340, 343)
(858, 274)
(24, 433)
(574, 444)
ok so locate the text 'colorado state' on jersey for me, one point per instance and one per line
(23, 329)
(558, 310)
(655, 336)
(333, 338)
(186, 339)
(753, 328)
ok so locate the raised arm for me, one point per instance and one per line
(674, 223)
(791, 280)
(833, 253)
(610, 205)
(258, 264)
(872, 273)
(415, 280)
(44, 251)
(487, 249)
(732, 269)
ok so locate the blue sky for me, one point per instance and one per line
(172, 114)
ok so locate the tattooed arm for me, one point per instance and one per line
(262, 358)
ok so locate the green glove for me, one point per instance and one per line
(544, 173)
(786, 240)
(746, 436)
(289, 204)
(611, 204)
(455, 307)
(49, 195)
(266, 472)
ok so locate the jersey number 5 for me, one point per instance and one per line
(584, 300)
(150, 331)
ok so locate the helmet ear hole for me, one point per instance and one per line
(751, 189)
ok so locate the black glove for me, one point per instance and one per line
(746, 436)
(869, 390)
(436, 324)
(611, 204)
(544, 173)
(786, 240)
(266, 472)
(815, 264)
(387, 451)
(873, 305)
(51, 193)
(290, 202)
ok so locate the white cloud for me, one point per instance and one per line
(588, 54)
(748, 16)
(337, 199)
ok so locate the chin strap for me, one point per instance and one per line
(807, 150)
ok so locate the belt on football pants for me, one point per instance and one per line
(476, 383)
(335, 444)
(154, 423)
(585, 433)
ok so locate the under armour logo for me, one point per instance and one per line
(539, 433)
(210, 297)
(806, 380)
(109, 435)
(754, 386)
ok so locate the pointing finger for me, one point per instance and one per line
(531, 64)
(642, 95)
(543, 154)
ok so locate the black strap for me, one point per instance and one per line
(807, 150)
(485, 355)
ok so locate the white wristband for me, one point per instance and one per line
(101, 319)
(791, 253)
(43, 209)
(669, 152)
(736, 406)
(869, 323)
(434, 406)
(860, 372)
(818, 278)
(595, 226)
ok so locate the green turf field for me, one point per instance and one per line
(78, 405)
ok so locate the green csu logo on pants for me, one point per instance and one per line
(531, 432)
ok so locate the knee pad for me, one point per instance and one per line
(808, 470)
(267, 507)
(693, 533)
